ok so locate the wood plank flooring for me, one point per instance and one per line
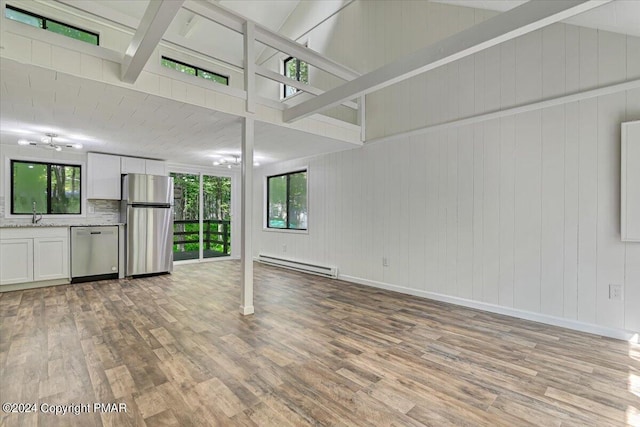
(317, 352)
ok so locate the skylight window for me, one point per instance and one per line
(192, 70)
(44, 23)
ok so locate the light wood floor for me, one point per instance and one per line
(317, 352)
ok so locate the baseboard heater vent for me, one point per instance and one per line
(320, 270)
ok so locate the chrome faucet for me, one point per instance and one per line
(34, 218)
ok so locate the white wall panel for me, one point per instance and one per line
(527, 211)
(552, 238)
(521, 211)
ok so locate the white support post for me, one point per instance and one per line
(250, 65)
(246, 257)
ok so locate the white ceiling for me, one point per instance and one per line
(117, 120)
(619, 16)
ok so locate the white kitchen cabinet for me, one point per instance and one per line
(51, 258)
(630, 183)
(156, 167)
(132, 165)
(16, 261)
(144, 166)
(34, 254)
(103, 176)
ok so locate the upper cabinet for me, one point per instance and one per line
(156, 167)
(144, 166)
(105, 170)
(103, 176)
(132, 165)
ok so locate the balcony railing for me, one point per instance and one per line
(216, 238)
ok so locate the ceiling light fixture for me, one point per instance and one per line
(47, 142)
(235, 161)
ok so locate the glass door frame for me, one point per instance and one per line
(235, 198)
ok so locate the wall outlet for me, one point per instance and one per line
(615, 292)
(385, 261)
(284, 248)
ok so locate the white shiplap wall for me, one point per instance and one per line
(520, 212)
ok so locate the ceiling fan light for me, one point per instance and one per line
(77, 146)
(23, 141)
(216, 163)
(228, 166)
(57, 148)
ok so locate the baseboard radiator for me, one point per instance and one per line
(305, 267)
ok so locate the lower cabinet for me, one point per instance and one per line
(33, 254)
(16, 261)
(50, 258)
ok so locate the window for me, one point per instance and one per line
(296, 70)
(287, 201)
(194, 71)
(54, 188)
(37, 21)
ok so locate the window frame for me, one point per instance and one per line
(297, 77)
(196, 68)
(44, 24)
(267, 227)
(48, 164)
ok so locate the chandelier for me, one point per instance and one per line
(47, 142)
(233, 161)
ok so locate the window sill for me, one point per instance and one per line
(284, 230)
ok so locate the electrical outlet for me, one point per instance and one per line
(385, 261)
(615, 292)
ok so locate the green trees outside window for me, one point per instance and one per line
(57, 27)
(287, 201)
(55, 188)
(295, 70)
(194, 71)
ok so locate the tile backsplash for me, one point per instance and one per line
(98, 212)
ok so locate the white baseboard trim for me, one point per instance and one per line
(620, 334)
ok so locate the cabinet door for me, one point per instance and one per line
(16, 261)
(103, 176)
(132, 165)
(50, 258)
(156, 167)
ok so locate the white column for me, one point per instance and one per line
(246, 303)
(250, 65)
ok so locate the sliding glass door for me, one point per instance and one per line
(201, 230)
(186, 216)
(216, 195)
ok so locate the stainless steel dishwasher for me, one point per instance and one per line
(94, 253)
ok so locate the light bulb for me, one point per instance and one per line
(77, 146)
(23, 142)
(256, 164)
(58, 148)
(228, 166)
(216, 163)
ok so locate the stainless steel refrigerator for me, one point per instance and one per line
(147, 210)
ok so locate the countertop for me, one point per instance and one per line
(53, 224)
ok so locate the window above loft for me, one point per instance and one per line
(287, 201)
(54, 26)
(294, 69)
(192, 70)
(49, 188)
